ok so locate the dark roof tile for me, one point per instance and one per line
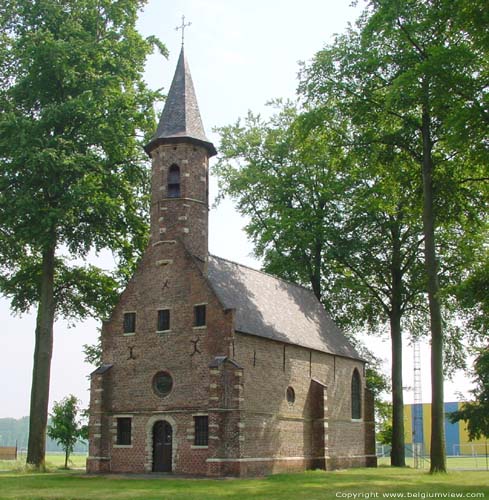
(180, 120)
(219, 360)
(275, 309)
(101, 370)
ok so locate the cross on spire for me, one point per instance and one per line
(182, 27)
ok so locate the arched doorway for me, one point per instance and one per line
(162, 446)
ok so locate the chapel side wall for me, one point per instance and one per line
(273, 427)
(347, 437)
(167, 279)
(294, 434)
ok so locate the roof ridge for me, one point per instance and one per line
(268, 274)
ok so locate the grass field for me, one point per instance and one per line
(453, 463)
(314, 485)
(56, 460)
(53, 461)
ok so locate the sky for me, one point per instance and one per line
(241, 55)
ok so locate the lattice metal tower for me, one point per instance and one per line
(417, 409)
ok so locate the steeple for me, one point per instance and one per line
(180, 153)
(180, 121)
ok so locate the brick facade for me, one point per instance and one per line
(238, 381)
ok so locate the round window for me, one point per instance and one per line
(162, 383)
(290, 395)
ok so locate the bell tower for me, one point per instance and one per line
(180, 153)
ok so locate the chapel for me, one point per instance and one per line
(210, 367)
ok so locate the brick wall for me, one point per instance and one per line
(320, 417)
(185, 217)
(253, 429)
(185, 352)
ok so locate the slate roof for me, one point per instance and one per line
(219, 360)
(275, 309)
(180, 120)
(101, 370)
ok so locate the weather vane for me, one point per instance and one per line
(182, 27)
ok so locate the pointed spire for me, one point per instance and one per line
(180, 120)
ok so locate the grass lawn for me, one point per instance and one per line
(314, 485)
(453, 463)
(53, 461)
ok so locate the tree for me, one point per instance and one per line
(473, 297)
(332, 217)
(74, 113)
(476, 412)
(65, 428)
(383, 423)
(472, 294)
(413, 75)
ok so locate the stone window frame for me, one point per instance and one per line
(129, 334)
(164, 308)
(356, 396)
(155, 392)
(174, 182)
(200, 327)
(290, 395)
(199, 446)
(115, 429)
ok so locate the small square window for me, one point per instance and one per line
(163, 320)
(201, 430)
(124, 430)
(199, 315)
(129, 322)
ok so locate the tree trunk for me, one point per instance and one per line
(398, 458)
(67, 455)
(316, 274)
(42, 361)
(437, 453)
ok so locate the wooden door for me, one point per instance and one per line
(162, 446)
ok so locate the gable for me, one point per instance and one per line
(167, 277)
(275, 309)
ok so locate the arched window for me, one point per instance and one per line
(356, 397)
(290, 394)
(174, 182)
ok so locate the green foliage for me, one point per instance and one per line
(319, 215)
(373, 75)
(75, 111)
(79, 291)
(476, 412)
(273, 170)
(472, 296)
(383, 423)
(333, 217)
(74, 114)
(93, 352)
(412, 76)
(377, 382)
(65, 427)
(389, 155)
